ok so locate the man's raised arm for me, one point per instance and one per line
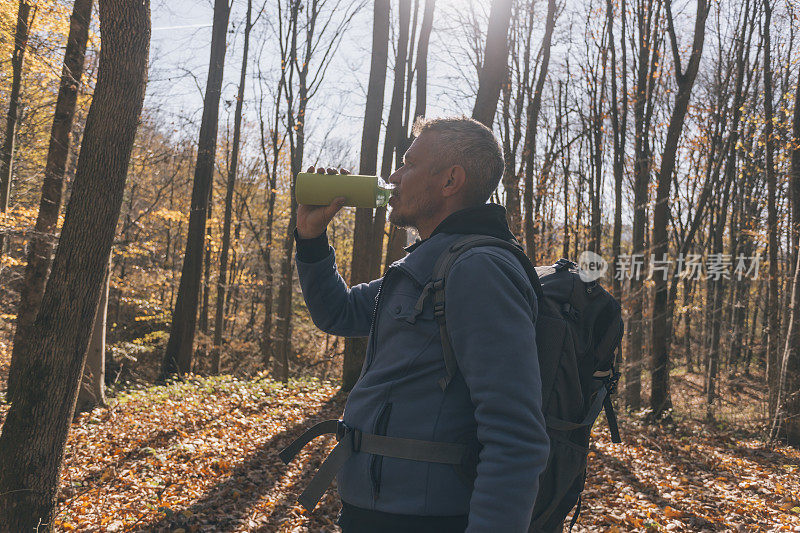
(334, 308)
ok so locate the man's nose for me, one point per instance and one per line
(395, 177)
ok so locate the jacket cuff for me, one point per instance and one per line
(312, 250)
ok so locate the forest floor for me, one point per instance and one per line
(201, 455)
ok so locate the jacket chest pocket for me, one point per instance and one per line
(408, 303)
(411, 309)
(404, 331)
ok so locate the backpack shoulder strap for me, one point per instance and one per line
(440, 271)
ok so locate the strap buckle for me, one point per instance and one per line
(609, 377)
(612, 380)
(438, 309)
(570, 312)
(563, 263)
(343, 430)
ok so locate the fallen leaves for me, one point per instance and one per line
(201, 455)
(679, 478)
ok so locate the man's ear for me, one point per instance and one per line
(455, 182)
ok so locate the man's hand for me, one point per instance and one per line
(312, 220)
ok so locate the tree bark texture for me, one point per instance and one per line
(92, 391)
(647, 29)
(398, 237)
(36, 427)
(512, 122)
(619, 122)
(789, 380)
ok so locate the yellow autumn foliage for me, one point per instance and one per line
(41, 75)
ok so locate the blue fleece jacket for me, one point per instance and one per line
(495, 397)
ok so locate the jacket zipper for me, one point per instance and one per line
(373, 325)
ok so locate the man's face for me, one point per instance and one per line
(417, 196)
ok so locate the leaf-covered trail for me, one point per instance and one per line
(202, 456)
(199, 455)
(679, 479)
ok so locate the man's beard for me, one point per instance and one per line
(425, 209)
(399, 221)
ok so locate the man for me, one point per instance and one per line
(448, 174)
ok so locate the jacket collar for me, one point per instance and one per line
(486, 219)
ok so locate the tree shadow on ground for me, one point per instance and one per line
(228, 504)
(649, 490)
(765, 456)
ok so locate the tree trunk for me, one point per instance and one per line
(597, 115)
(24, 21)
(741, 242)
(660, 400)
(296, 134)
(226, 226)
(422, 60)
(495, 63)
(795, 179)
(266, 338)
(398, 237)
(529, 150)
(296, 123)
(773, 331)
(566, 162)
(180, 347)
(788, 397)
(394, 135)
(36, 426)
(283, 318)
(513, 132)
(92, 391)
(205, 285)
(266, 334)
(510, 178)
(42, 241)
(620, 126)
(687, 321)
(647, 16)
(355, 348)
(716, 291)
(718, 286)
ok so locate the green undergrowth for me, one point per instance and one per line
(258, 386)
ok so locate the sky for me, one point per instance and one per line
(180, 54)
(180, 44)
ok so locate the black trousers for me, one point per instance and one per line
(357, 520)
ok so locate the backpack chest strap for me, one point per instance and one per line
(352, 440)
(440, 271)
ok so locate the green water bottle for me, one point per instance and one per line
(360, 191)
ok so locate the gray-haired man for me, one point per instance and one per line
(494, 401)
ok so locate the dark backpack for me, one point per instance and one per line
(578, 329)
